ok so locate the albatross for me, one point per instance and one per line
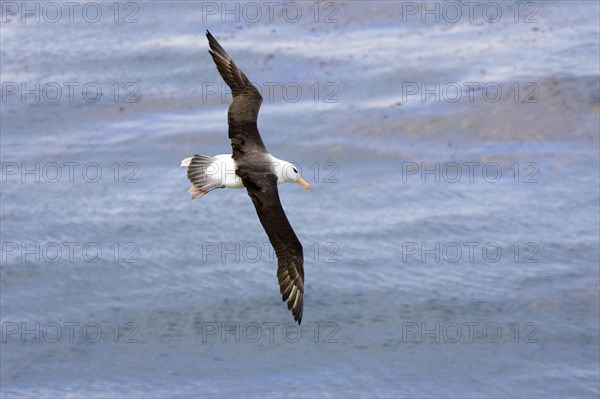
(251, 166)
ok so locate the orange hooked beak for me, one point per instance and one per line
(301, 182)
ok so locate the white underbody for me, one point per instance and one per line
(223, 170)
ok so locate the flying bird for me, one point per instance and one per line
(251, 166)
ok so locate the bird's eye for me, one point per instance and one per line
(295, 170)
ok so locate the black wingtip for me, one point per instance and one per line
(297, 317)
(213, 44)
(210, 37)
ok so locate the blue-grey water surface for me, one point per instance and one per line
(451, 246)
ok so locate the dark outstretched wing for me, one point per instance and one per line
(243, 110)
(262, 188)
(251, 158)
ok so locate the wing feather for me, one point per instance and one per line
(290, 256)
(250, 155)
(243, 110)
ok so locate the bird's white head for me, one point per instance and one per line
(291, 175)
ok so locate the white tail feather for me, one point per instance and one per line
(203, 181)
(187, 161)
